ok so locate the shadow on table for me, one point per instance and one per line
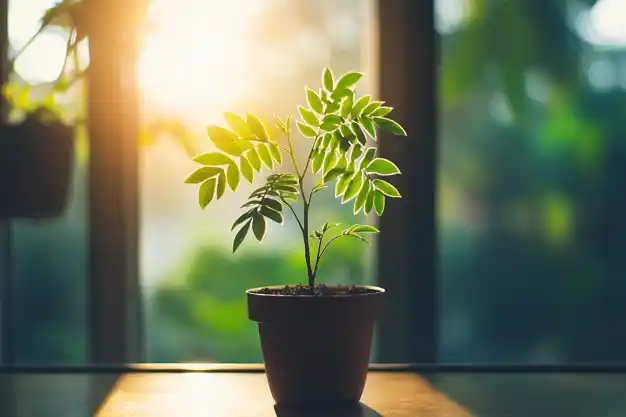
(23, 394)
(360, 410)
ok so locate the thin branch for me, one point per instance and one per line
(328, 243)
(308, 159)
(293, 158)
(319, 255)
(294, 213)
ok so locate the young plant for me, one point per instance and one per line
(337, 124)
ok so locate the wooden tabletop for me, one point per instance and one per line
(246, 394)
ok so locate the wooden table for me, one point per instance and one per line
(241, 393)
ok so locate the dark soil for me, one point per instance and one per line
(320, 290)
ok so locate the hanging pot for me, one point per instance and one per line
(36, 161)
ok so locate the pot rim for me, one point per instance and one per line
(253, 292)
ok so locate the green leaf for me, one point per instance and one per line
(201, 174)
(346, 106)
(369, 202)
(358, 132)
(276, 155)
(237, 124)
(361, 197)
(289, 197)
(257, 128)
(356, 152)
(332, 107)
(329, 226)
(253, 158)
(361, 238)
(342, 162)
(353, 188)
(224, 140)
(382, 166)
(382, 111)
(305, 130)
(348, 80)
(246, 170)
(332, 174)
(345, 131)
(258, 226)
(280, 124)
(334, 142)
(221, 185)
(386, 188)
(368, 125)
(329, 126)
(213, 158)
(314, 101)
(288, 124)
(265, 156)
(245, 144)
(343, 183)
(241, 235)
(363, 228)
(369, 157)
(232, 174)
(264, 193)
(333, 119)
(329, 161)
(345, 143)
(390, 126)
(308, 116)
(251, 203)
(338, 94)
(272, 214)
(207, 190)
(371, 107)
(328, 79)
(245, 216)
(273, 204)
(319, 187)
(286, 188)
(318, 161)
(360, 105)
(379, 202)
(326, 140)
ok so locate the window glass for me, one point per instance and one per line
(202, 59)
(531, 225)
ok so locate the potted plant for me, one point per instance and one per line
(37, 153)
(315, 338)
(36, 160)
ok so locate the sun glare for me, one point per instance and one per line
(196, 58)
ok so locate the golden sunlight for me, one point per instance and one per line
(196, 58)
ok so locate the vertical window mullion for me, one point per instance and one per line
(112, 117)
(407, 244)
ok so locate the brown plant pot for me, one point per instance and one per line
(316, 349)
(36, 161)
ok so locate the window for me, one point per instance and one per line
(532, 153)
(240, 56)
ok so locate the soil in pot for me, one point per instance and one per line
(316, 347)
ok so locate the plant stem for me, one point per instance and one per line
(304, 226)
(307, 249)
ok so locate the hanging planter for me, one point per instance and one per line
(36, 160)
